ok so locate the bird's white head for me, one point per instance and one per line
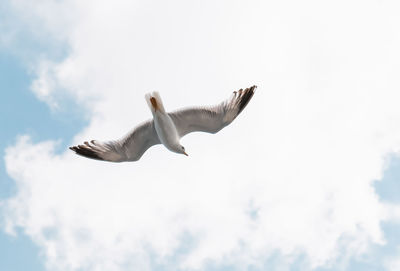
(181, 149)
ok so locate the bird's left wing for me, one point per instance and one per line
(129, 148)
(211, 119)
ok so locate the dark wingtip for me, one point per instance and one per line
(86, 152)
(246, 97)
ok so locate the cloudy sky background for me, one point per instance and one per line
(306, 178)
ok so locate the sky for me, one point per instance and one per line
(306, 178)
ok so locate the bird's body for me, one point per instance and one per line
(167, 128)
(163, 124)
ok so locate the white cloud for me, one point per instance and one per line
(393, 263)
(293, 173)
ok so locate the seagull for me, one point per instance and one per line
(167, 128)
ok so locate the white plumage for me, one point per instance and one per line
(167, 128)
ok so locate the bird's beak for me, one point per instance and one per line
(185, 153)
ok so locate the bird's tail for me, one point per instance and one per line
(154, 101)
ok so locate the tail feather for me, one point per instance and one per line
(154, 102)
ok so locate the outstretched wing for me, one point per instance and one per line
(129, 148)
(211, 119)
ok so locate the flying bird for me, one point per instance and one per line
(167, 128)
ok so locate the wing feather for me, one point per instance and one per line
(211, 119)
(129, 148)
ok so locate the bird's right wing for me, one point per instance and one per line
(129, 148)
(211, 119)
